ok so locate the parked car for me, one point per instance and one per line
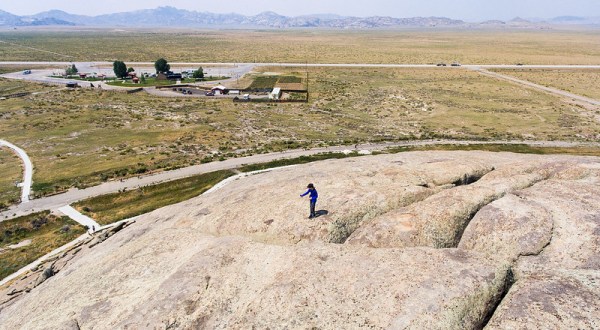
(441, 64)
(27, 72)
(455, 64)
(211, 93)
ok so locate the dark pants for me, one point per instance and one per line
(312, 208)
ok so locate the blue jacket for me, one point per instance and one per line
(313, 194)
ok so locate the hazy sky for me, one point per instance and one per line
(459, 9)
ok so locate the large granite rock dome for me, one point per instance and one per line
(419, 240)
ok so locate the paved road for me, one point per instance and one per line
(243, 67)
(74, 195)
(540, 87)
(27, 174)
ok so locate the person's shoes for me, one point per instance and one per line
(310, 216)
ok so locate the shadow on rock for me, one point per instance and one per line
(321, 213)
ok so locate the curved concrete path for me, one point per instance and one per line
(27, 174)
(83, 220)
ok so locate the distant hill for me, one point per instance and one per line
(576, 20)
(174, 17)
(8, 19)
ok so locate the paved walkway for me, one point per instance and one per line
(27, 174)
(80, 218)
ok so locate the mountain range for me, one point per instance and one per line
(173, 17)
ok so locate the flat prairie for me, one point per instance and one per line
(584, 82)
(473, 46)
(83, 137)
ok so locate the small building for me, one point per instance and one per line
(275, 94)
(135, 80)
(220, 90)
(82, 75)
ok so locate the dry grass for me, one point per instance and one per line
(46, 232)
(515, 148)
(584, 82)
(299, 46)
(8, 87)
(10, 167)
(83, 137)
(118, 206)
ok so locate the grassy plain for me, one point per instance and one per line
(118, 206)
(46, 232)
(515, 148)
(8, 87)
(474, 46)
(10, 168)
(585, 82)
(83, 137)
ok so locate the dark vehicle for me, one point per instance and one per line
(441, 64)
(455, 64)
(27, 72)
(519, 64)
(210, 94)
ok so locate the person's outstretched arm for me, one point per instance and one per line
(306, 193)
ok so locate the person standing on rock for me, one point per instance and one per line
(313, 199)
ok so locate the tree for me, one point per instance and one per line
(198, 74)
(143, 79)
(120, 69)
(161, 65)
(130, 70)
(71, 70)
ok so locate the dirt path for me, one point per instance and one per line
(27, 173)
(540, 87)
(35, 49)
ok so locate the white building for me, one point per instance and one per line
(275, 94)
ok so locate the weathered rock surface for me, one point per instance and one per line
(553, 229)
(522, 238)
(440, 220)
